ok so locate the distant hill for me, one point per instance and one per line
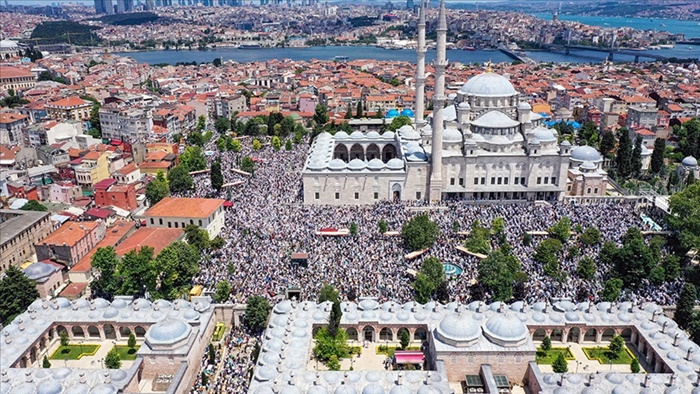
(65, 32)
(134, 18)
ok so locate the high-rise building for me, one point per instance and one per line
(99, 7)
(409, 4)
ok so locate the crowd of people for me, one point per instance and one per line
(269, 222)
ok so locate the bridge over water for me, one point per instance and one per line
(611, 51)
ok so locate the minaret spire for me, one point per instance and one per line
(420, 69)
(438, 106)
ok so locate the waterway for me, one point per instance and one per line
(374, 53)
(689, 28)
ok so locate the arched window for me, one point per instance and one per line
(352, 333)
(341, 152)
(386, 334)
(357, 152)
(373, 152)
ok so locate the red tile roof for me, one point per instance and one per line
(185, 207)
(157, 238)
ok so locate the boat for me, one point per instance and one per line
(469, 49)
(340, 58)
(250, 46)
(663, 24)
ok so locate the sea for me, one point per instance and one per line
(691, 29)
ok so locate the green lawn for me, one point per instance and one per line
(127, 353)
(74, 352)
(602, 354)
(548, 357)
(389, 351)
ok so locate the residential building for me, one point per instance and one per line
(158, 161)
(71, 242)
(226, 106)
(175, 212)
(126, 123)
(69, 108)
(52, 132)
(63, 192)
(642, 117)
(19, 231)
(154, 237)
(116, 234)
(16, 78)
(108, 193)
(11, 126)
(128, 174)
(91, 168)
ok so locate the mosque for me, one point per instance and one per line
(483, 143)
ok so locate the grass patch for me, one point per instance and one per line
(74, 352)
(127, 353)
(354, 350)
(389, 350)
(548, 357)
(602, 354)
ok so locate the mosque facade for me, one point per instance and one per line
(484, 143)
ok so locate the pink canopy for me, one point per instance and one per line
(409, 357)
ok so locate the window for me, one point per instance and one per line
(476, 181)
(595, 190)
(376, 196)
(539, 180)
(452, 181)
(545, 180)
(417, 195)
(200, 222)
(337, 196)
(317, 195)
(568, 188)
(191, 221)
(357, 196)
(589, 191)
(554, 180)
(160, 221)
(461, 181)
(517, 180)
(169, 225)
(505, 180)
(493, 180)
(177, 225)
(152, 221)
(522, 180)
(500, 180)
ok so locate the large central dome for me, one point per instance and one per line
(488, 85)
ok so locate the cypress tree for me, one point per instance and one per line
(685, 305)
(624, 154)
(657, 157)
(637, 156)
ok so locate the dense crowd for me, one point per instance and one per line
(269, 222)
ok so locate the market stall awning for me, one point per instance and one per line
(409, 357)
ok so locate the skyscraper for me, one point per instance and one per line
(99, 7)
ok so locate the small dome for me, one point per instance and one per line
(451, 134)
(495, 119)
(417, 156)
(524, 105)
(336, 165)
(80, 388)
(388, 135)
(343, 389)
(356, 135)
(488, 85)
(119, 303)
(400, 390)
(464, 105)
(690, 161)
(291, 390)
(168, 331)
(407, 132)
(412, 147)
(357, 165)
(505, 330)
(39, 270)
(369, 304)
(23, 388)
(316, 165)
(81, 303)
(565, 143)
(341, 135)
(392, 113)
(587, 165)
(375, 164)
(110, 313)
(428, 390)
(586, 153)
(407, 112)
(50, 386)
(104, 388)
(373, 388)
(372, 134)
(458, 329)
(544, 135)
(395, 164)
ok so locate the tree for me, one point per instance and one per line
(561, 230)
(496, 273)
(423, 288)
(234, 146)
(223, 291)
(617, 345)
(498, 226)
(399, 121)
(179, 179)
(63, 335)
(586, 268)
(193, 159)
(404, 338)
(348, 112)
(607, 143)
(201, 122)
(353, 229)
(637, 156)
(634, 366)
(217, 178)
(288, 145)
(222, 124)
(685, 215)
(635, 260)
(334, 318)
(247, 165)
(657, 156)
(195, 138)
(112, 360)
(559, 365)
(327, 293)
(212, 354)
(547, 251)
(46, 363)
(611, 290)
(546, 344)
(358, 110)
(33, 205)
(623, 157)
(321, 115)
(175, 265)
(432, 268)
(333, 364)
(686, 305)
(689, 137)
(197, 236)
(131, 343)
(204, 379)
(591, 236)
(256, 311)
(383, 227)
(608, 253)
(478, 240)
(420, 232)
(136, 271)
(104, 266)
(157, 189)
(589, 133)
(276, 143)
(256, 144)
(288, 124)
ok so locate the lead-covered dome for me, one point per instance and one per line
(451, 134)
(543, 134)
(39, 270)
(458, 330)
(488, 85)
(505, 330)
(689, 161)
(168, 332)
(395, 164)
(586, 153)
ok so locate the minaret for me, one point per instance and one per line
(420, 70)
(438, 106)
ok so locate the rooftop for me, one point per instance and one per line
(13, 222)
(157, 238)
(70, 233)
(177, 207)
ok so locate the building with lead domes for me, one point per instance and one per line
(482, 143)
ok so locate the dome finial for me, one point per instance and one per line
(489, 68)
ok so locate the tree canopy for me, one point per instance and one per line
(256, 312)
(689, 137)
(420, 232)
(193, 158)
(33, 205)
(179, 179)
(399, 121)
(157, 189)
(17, 292)
(217, 178)
(685, 215)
